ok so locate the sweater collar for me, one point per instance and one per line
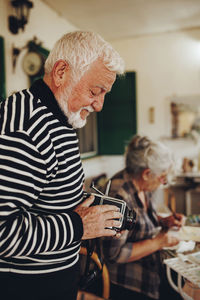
(41, 90)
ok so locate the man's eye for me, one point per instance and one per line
(96, 91)
(93, 94)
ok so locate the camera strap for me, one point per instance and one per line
(91, 274)
(90, 245)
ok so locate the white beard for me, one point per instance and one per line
(74, 118)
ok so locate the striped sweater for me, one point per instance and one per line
(41, 182)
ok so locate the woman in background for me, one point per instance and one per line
(133, 260)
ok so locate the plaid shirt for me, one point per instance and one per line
(141, 275)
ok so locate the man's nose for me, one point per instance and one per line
(98, 104)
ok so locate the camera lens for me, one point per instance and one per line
(129, 219)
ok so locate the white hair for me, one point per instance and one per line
(142, 153)
(80, 49)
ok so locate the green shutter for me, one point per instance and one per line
(117, 120)
(2, 70)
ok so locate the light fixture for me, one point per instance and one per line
(22, 8)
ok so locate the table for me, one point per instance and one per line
(188, 183)
(187, 267)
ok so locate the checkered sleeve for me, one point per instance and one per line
(117, 250)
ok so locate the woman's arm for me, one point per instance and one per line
(175, 219)
(146, 247)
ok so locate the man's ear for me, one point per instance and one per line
(59, 72)
(145, 174)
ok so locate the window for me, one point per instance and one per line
(108, 131)
(88, 137)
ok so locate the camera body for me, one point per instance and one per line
(128, 219)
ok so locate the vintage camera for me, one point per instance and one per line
(129, 216)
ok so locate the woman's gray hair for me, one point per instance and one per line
(142, 153)
(80, 49)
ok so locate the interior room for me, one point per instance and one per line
(158, 96)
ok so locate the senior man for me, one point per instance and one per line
(42, 216)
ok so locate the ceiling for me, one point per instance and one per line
(118, 19)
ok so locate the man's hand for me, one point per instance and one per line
(97, 218)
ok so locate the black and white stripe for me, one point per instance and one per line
(41, 180)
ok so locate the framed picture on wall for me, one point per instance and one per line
(2, 70)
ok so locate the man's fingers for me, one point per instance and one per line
(113, 233)
(118, 235)
(112, 215)
(98, 220)
(107, 207)
(113, 223)
(96, 232)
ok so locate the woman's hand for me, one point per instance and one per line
(165, 239)
(176, 220)
(144, 248)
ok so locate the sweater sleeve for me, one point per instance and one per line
(22, 177)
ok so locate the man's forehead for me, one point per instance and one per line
(100, 76)
(105, 82)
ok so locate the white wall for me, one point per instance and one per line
(109, 164)
(166, 65)
(43, 23)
